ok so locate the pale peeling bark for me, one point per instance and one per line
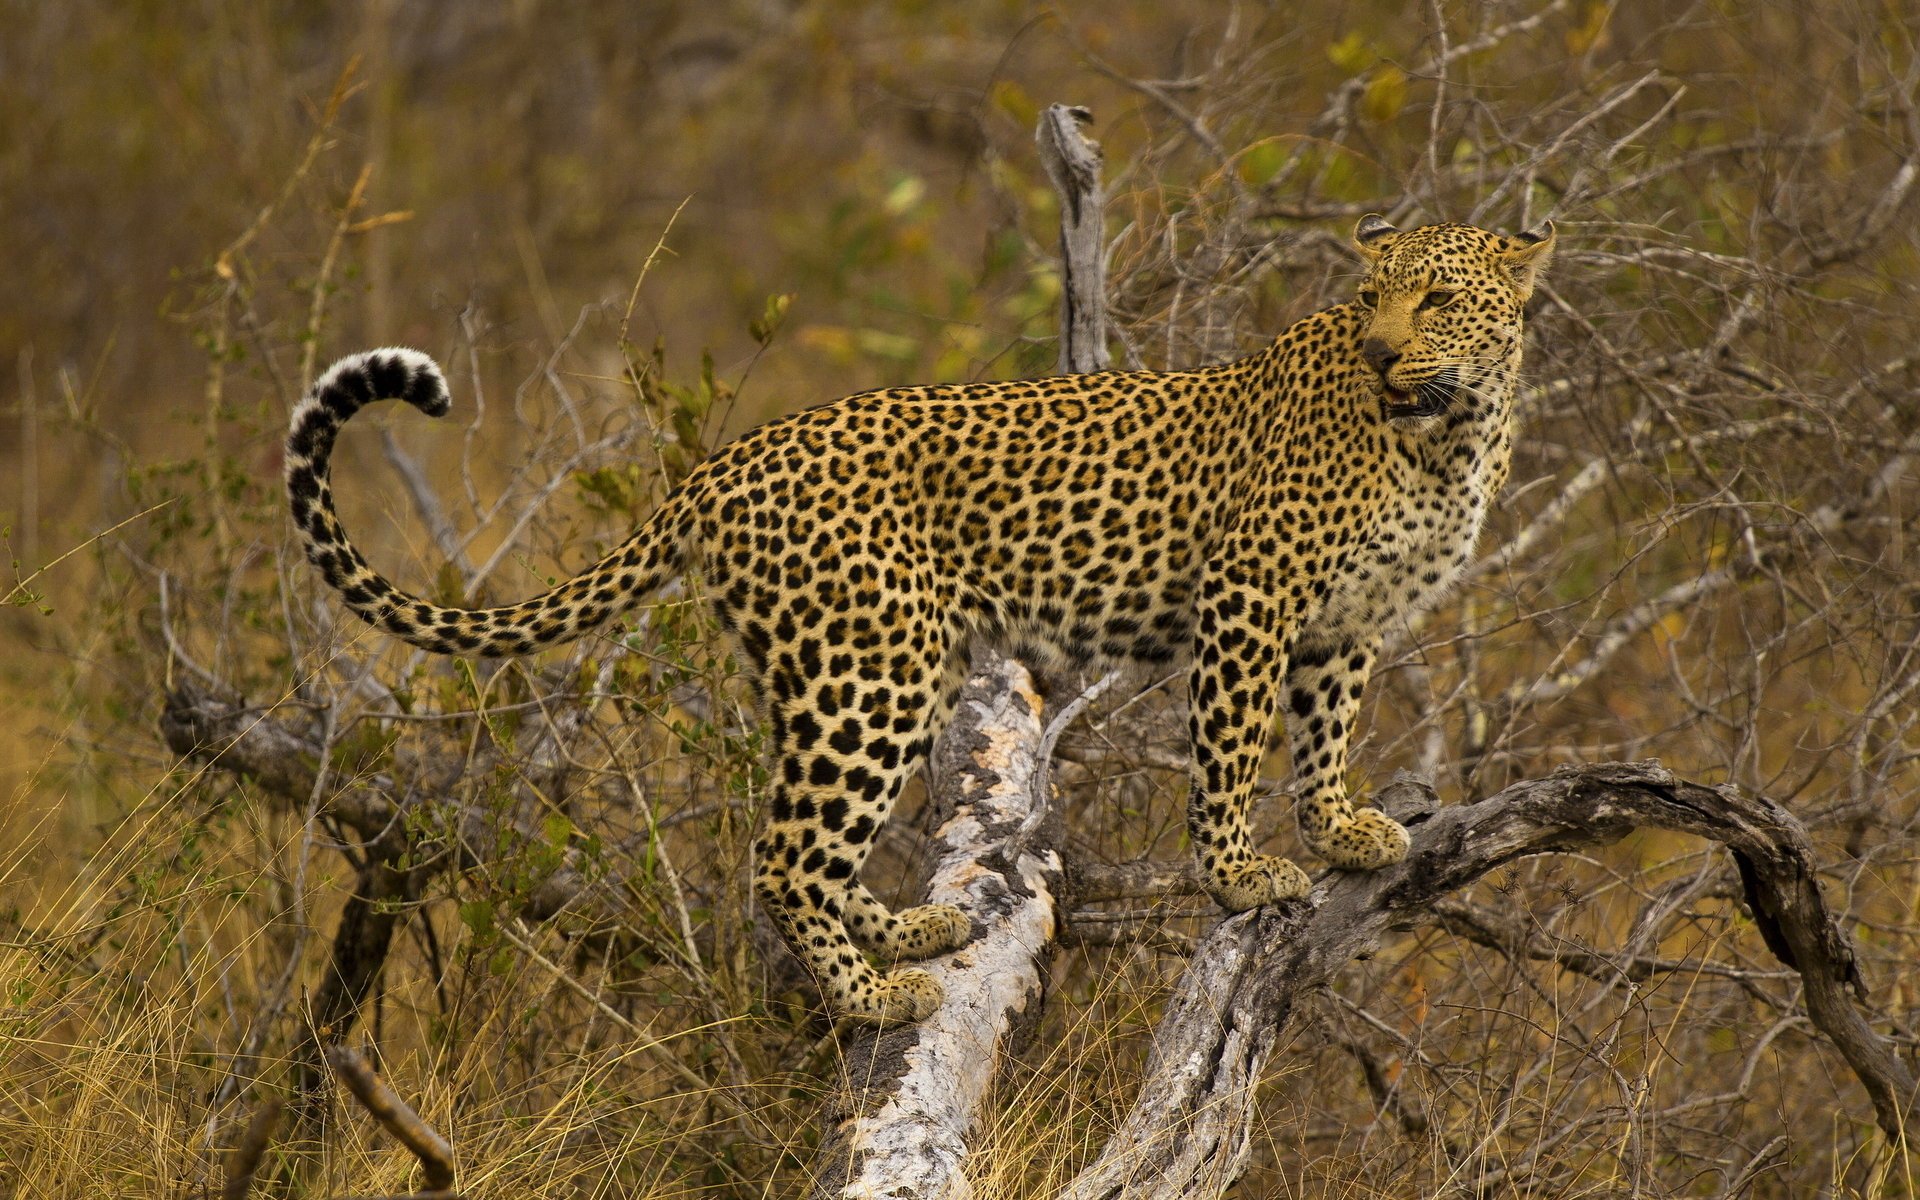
(909, 1097)
(1073, 163)
(1188, 1133)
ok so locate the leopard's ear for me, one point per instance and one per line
(1373, 235)
(1526, 256)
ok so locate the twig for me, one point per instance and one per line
(1742, 1179)
(1043, 772)
(343, 87)
(426, 502)
(398, 1119)
(19, 592)
(243, 1162)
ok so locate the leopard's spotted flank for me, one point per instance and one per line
(1260, 521)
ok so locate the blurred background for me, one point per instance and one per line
(631, 231)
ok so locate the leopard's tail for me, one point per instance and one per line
(615, 584)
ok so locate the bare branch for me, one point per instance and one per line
(1073, 163)
(1095, 881)
(426, 502)
(227, 733)
(398, 1119)
(243, 1163)
(1189, 1132)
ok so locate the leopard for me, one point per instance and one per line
(1257, 525)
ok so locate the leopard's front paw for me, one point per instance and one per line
(1263, 880)
(1369, 841)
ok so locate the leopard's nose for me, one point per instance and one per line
(1379, 355)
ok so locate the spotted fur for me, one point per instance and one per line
(1260, 521)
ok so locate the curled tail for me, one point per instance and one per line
(614, 584)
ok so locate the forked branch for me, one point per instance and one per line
(910, 1098)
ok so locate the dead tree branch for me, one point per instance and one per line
(1073, 163)
(909, 1097)
(397, 1117)
(243, 1161)
(1189, 1132)
(225, 733)
(372, 915)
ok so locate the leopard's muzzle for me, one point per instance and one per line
(1428, 399)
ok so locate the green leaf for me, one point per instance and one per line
(768, 323)
(1386, 94)
(1351, 53)
(478, 916)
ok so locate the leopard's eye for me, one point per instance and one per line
(1369, 298)
(1438, 298)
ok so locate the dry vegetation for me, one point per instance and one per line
(1705, 557)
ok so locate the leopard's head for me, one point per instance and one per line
(1442, 308)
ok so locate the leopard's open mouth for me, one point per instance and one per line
(1428, 399)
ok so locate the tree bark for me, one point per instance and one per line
(371, 917)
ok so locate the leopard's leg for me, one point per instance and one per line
(1239, 661)
(847, 735)
(804, 876)
(925, 930)
(1325, 677)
